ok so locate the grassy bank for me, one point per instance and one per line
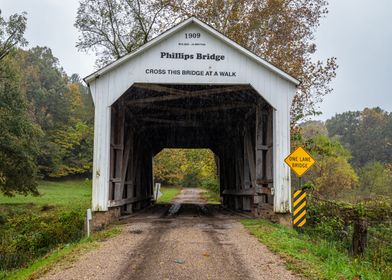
(60, 256)
(315, 259)
(66, 194)
(33, 226)
(211, 197)
(168, 193)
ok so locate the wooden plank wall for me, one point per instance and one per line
(131, 179)
(246, 163)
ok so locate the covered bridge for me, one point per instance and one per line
(192, 87)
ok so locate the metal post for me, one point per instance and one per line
(299, 183)
(88, 219)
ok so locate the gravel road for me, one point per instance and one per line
(185, 240)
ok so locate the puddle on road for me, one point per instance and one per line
(136, 231)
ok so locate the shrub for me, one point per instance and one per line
(335, 176)
(191, 180)
(376, 179)
(211, 184)
(27, 236)
(332, 221)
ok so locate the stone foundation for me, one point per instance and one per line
(102, 219)
(266, 211)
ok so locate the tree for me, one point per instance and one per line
(167, 166)
(199, 168)
(281, 31)
(322, 146)
(344, 126)
(186, 167)
(113, 28)
(62, 107)
(18, 137)
(373, 138)
(335, 177)
(11, 33)
(366, 133)
(376, 179)
(310, 129)
(332, 174)
(73, 150)
(18, 145)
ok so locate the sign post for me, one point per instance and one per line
(157, 191)
(299, 161)
(89, 217)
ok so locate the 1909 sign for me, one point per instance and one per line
(192, 35)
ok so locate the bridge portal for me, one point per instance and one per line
(192, 87)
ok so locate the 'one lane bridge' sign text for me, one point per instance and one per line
(299, 161)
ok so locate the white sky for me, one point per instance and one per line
(357, 32)
(50, 24)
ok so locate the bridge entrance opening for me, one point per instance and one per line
(233, 121)
(175, 169)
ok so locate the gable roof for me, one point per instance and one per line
(173, 30)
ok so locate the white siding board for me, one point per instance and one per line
(101, 161)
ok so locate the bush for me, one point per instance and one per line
(336, 177)
(191, 180)
(332, 221)
(376, 179)
(26, 236)
(211, 185)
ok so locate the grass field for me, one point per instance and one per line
(33, 226)
(315, 259)
(211, 197)
(68, 194)
(168, 193)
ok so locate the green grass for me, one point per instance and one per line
(61, 256)
(211, 197)
(69, 194)
(38, 224)
(315, 259)
(168, 193)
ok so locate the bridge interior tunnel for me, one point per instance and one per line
(234, 121)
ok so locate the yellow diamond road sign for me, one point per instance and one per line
(299, 161)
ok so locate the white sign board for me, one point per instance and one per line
(192, 54)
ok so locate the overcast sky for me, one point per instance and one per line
(357, 32)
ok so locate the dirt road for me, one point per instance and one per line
(187, 240)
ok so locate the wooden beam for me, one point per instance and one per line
(162, 123)
(230, 106)
(247, 180)
(260, 142)
(124, 201)
(160, 88)
(249, 113)
(117, 148)
(239, 192)
(239, 162)
(189, 94)
(251, 157)
(129, 183)
(124, 167)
